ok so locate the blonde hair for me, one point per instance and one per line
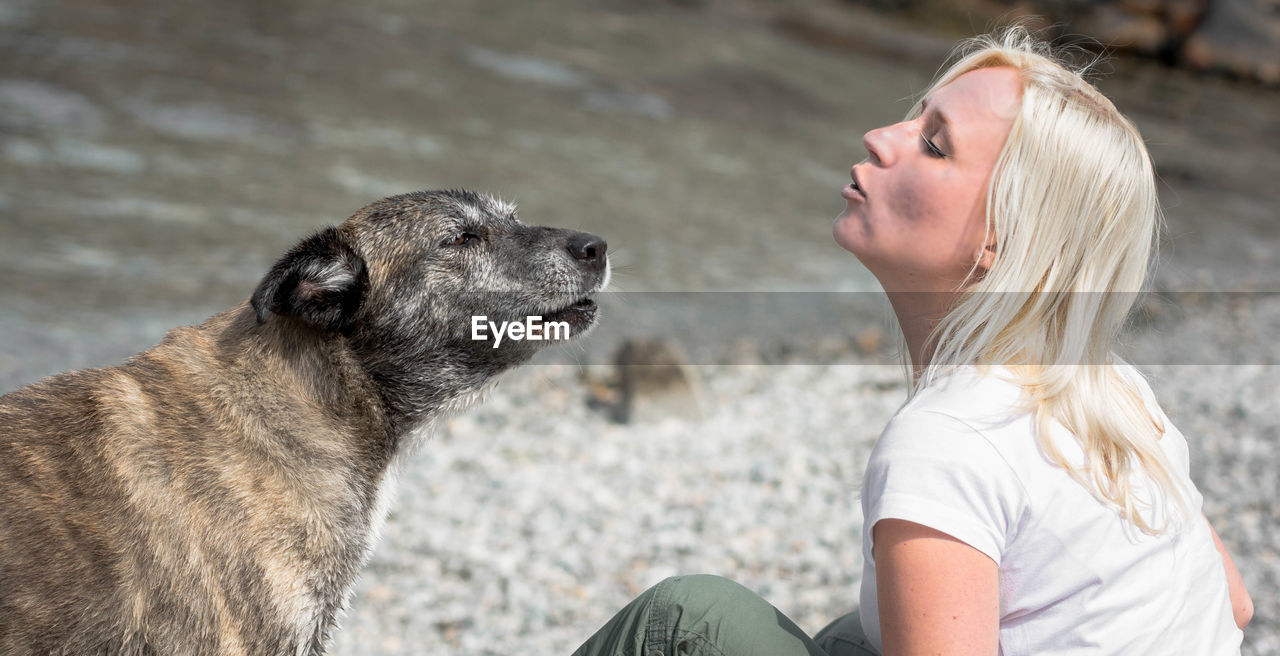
(1073, 205)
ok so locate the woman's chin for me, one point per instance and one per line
(848, 232)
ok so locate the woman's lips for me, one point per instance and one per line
(853, 190)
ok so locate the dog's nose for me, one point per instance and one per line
(588, 247)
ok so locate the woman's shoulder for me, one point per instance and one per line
(964, 415)
(969, 393)
(981, 408)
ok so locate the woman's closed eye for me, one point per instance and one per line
(932, 148)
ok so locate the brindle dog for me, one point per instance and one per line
(218, 493)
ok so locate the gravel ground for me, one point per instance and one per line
(525, 524)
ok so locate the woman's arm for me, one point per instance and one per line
(1241, 604)
(936, 593)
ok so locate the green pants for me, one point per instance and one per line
(713, 616)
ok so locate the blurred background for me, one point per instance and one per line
(156, 157)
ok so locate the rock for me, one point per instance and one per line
(1240, 37)
(1121, 28)
(1183, 16)
(654, 381)
(870, 340)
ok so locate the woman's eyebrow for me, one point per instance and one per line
(946, 130)
(942, 118)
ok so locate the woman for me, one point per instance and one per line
(1030, 497)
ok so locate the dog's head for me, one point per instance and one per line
(429, 288)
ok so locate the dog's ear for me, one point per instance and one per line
(320, 281)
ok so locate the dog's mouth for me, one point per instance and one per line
(579, 315)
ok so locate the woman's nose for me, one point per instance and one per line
(877, 143)
(884, 144)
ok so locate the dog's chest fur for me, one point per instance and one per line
(222, 513)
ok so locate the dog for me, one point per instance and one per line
(219, 493)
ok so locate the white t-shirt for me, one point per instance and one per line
(1075, 578)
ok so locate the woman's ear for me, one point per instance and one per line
(321, 281)
(986, 256)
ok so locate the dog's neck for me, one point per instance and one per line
(379, 401)
(311, 395)
(418, 383)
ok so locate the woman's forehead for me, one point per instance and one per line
(984, 93)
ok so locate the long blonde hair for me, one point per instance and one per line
(1073, 205)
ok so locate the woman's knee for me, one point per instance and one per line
(708, 614)
(710, 587)
(700, 595)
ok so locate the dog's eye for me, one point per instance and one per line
(463, 239)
